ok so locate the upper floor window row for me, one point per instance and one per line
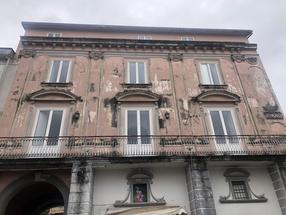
(144, 37)
(54, 34)
(187, 38)
(59, 72)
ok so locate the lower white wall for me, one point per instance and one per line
(111, 185)
(260, 183)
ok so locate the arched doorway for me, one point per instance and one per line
(33, 195)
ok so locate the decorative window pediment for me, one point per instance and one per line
(137, 96)
(44, 95)
(239, 189)
(216, 96)
(140, 193)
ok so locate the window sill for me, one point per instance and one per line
(127, 85)
(138, 204)
(243, 200)
(56, 84)
(213, 86)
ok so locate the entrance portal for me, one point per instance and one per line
(27, 197)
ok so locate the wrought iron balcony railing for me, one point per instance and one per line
(124, 146)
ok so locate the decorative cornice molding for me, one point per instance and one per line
(271, 112)
(27, 53)
(218, 95)
(95, 55)
(104, 43)
(240, 58)
(176, 57)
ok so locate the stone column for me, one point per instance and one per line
(199, 188)
(277, 173)
(81, 189)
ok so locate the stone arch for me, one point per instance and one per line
(37, 180)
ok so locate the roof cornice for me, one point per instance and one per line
(32, 42)
(134, 29)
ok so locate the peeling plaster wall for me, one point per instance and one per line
(97, 81)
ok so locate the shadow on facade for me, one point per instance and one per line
(31, 196)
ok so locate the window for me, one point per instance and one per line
(239, 189)
(224, 127)
(59, 71)
(144, 37)
(210, 74)
(138, 123)
(137, 72)
(49, 124)
(223, 123)
(187, 38)
(54, 34)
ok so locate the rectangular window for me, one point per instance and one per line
(59, 71)
(144, 37)
(210, 74)
(223, 124)
(54, 34)
(138, 123)
(186, 38)
(136, 72)
(239, 190)
(48, 124)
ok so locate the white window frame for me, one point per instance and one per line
(137, 71)
(138, 109)
(220, 109)
(209, 73)
(54, 34)
(49, 120)
(59, 70)
(187, 38)
(144, 37)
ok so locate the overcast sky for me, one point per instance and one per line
(266, 18)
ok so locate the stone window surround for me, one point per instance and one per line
(237, 174)
(139, 176)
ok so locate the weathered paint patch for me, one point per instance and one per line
(91, 116)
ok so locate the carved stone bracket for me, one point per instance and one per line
(95, 55)
(271, 112)
(175, 57)
(27, 53)
(241, 58)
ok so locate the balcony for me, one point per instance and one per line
(136, 146)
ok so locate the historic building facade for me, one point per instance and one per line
(125, 120)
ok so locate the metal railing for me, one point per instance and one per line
(123, 146)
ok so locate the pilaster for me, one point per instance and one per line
(81, 189)
(277, 173)
(199, 188)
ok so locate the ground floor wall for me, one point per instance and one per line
(259, 181)
(111, 185)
